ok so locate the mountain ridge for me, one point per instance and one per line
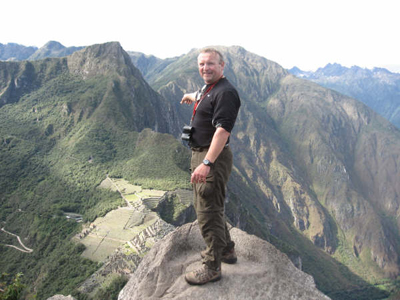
(17, 52)
(14, 51)
(378, 88)
(53, 49)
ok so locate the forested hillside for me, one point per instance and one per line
(65, 125)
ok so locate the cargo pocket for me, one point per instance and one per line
(207, 189)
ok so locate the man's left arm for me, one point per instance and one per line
(217, 145)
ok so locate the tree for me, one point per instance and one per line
(11, 291)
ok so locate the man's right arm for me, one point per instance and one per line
(189, 98)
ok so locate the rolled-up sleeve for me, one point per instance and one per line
(226, 108)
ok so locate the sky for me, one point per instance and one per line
(305, 33)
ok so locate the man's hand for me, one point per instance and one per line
(189, 98)
(200, 174)
(217, 145)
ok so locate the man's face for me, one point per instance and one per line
(210, 67)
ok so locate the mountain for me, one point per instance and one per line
(314, 169)
(16, 52)
(12, 51)
(378, 88)
(53, 49)
(150, 65)
(66, 125)
(299, 73)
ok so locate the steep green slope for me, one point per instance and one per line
(64, 125)
(305, 171)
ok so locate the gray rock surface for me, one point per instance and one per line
(262, 272)
(61, 297)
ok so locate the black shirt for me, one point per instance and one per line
(219, 108)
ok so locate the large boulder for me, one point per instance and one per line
(262, 272)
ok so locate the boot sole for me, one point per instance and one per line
(201, 283)
(229, 261)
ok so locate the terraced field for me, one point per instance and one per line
(118, 227)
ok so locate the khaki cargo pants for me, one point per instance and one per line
(209, 199)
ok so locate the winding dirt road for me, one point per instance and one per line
(26, 249)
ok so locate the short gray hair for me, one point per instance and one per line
(215, 51)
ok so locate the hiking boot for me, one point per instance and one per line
(228, 257)
(203, 275)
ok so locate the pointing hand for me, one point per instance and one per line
(189, 98)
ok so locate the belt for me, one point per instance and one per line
(201, 149)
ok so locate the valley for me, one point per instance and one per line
(315, 171)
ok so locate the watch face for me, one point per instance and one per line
(207, 162)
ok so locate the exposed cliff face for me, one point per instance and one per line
(335, 139)
(262, 272)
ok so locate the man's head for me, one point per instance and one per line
(211, 65)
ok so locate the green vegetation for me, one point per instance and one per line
(152, 151)
(59, 139)
(111, 291)
(12, 290)
(172, 209)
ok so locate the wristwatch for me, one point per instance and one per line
(208, 163)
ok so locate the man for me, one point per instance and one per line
(214, 115)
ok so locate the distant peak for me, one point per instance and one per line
(381, 70)
(295, 70)
(334, 69)
(54, 45)
(299, 73)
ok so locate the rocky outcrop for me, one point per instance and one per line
(262, 272)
